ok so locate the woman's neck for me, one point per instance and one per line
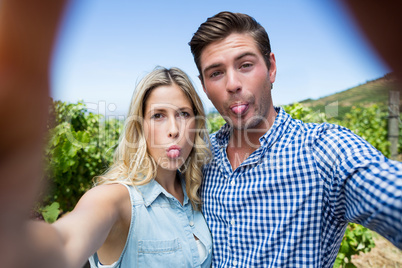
(171, 183)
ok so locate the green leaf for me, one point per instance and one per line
(360, 246)
(51, 212)
(338, 263)
(344, 247)
(341, 256)
(69, 149)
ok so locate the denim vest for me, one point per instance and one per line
(162, 231)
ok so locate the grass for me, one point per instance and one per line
(372, 92)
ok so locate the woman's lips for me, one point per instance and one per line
(173, 151)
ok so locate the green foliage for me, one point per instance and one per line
(214, 122)
(400, 135)
(356, 239)
(79, 148)
(370, 123)
(51, 212)
(306, 114)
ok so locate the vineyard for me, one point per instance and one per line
(81, 146)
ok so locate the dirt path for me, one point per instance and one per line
(383, 255)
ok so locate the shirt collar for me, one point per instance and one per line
(278, 128)
(152, 190)
(272, 135)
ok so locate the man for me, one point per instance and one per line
(280, 193)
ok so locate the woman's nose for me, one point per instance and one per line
(173, 129)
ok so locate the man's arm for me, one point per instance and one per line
(362, 185)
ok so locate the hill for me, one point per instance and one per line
(372, 92)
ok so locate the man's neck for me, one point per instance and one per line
(243, 142)
(240, 147)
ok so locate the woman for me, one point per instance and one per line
(144, 212)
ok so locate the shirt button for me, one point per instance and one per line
(232, 222)
(191, 223)
(232, 183)
(209, 251)
(234, 263)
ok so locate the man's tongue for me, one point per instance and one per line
(173, 153)
(239, 109)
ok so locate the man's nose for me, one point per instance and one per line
(233, 83)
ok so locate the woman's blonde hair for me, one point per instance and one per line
(132, 163)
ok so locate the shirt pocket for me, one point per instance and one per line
(153, 253)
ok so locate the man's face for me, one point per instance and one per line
(237, 80)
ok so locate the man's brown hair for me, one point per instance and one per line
(223, 24)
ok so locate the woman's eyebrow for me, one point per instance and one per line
(186, 108)
(156, 110)
(163, 109)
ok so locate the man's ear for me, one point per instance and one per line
(272, 68)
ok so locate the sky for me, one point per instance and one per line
(105, 47)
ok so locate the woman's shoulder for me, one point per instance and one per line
(110, 191)
(113, 195)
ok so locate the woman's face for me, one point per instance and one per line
(169, 126)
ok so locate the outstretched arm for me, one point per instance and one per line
(27, 33)
(72, 239)
(362, 186)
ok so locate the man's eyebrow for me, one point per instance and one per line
(246, 54)
(237, 58)
(211, 67)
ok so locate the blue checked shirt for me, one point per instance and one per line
(288, 203)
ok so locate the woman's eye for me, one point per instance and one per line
(156, 116)
(184, 114)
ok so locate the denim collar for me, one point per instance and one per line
(152, 190)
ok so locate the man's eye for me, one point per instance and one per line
(246, 65)
(214, 74)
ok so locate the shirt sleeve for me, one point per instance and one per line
(361, 184)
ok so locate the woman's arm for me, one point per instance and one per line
(27, 32)
(72, 239)
(85, 229)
